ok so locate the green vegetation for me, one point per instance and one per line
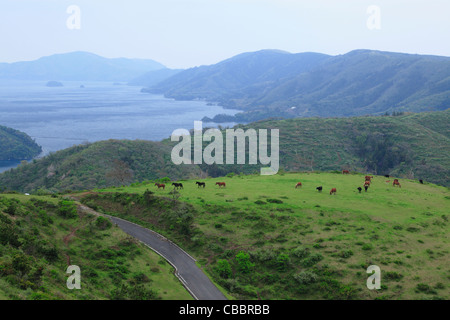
(16, 145)
(311, 245)
(41, 236)
(271, 83)
(100, 164)
(414, 146)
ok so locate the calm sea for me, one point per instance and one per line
(58, 118)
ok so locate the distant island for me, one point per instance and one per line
(54, 84)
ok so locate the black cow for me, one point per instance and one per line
(359, 189)
(201, 184)
(421, 181)
(319, 189)
(365, 188)
(178, 185)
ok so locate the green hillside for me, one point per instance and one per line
(16, 145)
(261, 238)
(271, 83)
(414, 146)
(100, 164)
(41, 236)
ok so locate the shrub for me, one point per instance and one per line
(67, 209)
(244, 263)
(223, 268)
(274, 201)
(300, 252)
(103, 223)
(392, 275)
(346, 254)
(312, 260)
(422, 287)
(282, 261)
(305, 277)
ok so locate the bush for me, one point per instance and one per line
(103, 223)
(312, 260)
(244, 263)
(422, 287)
(392, 275)
(346, 254)
(274, 201)
(300, 252)
(282, 262)
(305, 277)
(67, 209)
(223, 268)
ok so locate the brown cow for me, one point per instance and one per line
(221, 184)
(299, 184)
(345, 172)
(396, 183)
(162, 185)
(333, 191)
(367, 183)
(368, 178)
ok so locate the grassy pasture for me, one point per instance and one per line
(402, 230)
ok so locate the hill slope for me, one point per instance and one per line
(415, 146)
(261, 238)
(41, 236)
(100, 164)
(77, 66)
(237, 76)
(16, 145)
(153, 77)
(278, 84)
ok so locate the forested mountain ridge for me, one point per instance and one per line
(271, 83)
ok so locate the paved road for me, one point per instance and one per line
(193, 278)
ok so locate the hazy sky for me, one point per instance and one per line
(187, 33)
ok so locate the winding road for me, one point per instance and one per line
(192, 277)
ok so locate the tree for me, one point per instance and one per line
(120, 173)
(224, 268)
(244, 263)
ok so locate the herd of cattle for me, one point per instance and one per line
(366, 185)
(177, 185)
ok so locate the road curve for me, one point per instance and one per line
(192, 277)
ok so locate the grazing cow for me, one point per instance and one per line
(387, 181)
(333, 191)
(365, 188)
(368, 178)
(396, 183)
(299, 184)
(421, 181)
(345, 172)
(177, 185)
(160, 185)
(387, 176)
(359, 189)
(319, 189)
(221, 184)
(201, 184)
(367, 183)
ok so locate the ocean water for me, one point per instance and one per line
(58, 118)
